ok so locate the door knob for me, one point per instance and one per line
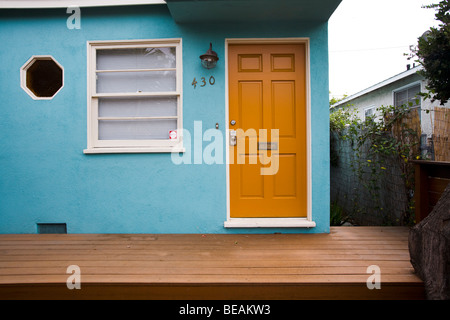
(232, 122)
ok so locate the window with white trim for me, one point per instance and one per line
(42, 77)
(408, 96)
(135, 100)
(369, 112)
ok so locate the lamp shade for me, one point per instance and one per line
(210, 58)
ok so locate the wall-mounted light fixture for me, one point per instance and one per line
(209, 59)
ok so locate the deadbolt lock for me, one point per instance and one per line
(233, 140)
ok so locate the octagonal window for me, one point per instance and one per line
(42, 77)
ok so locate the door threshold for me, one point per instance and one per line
(269, 223)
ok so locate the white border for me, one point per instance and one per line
(23, 76)
(272, 222)
(144, 146)
(14, 4)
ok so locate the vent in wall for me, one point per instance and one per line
(49, 228)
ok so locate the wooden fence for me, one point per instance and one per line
(441, 128)
(432, 177)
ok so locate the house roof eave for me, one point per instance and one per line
(218, 11)
(377, 86)
(207, 11)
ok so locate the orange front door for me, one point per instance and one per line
(268, 133)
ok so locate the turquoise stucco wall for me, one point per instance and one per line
(46, 178)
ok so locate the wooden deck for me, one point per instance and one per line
(212, 267)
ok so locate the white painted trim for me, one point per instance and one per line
(18, 4)
(133, 150)
(227, 138)
(142, 43)
(23, 76)
(407, 86)
(369, 107)
(90, 79)
(308, 131)
(131, 146)
(135, 94)
(271, 222)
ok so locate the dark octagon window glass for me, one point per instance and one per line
(44, 78)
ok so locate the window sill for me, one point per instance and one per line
(134, 150)
(269, 223)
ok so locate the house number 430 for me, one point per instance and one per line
(203, 81)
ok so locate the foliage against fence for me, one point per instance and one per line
(372, 177)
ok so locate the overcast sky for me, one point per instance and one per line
(367, 40)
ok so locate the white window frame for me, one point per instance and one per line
(374, 108)
(94, 145)
(406, 87)
(23, 76)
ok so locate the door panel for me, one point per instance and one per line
(285, 183)
(283, 108)
(251, 104)
(251, 182)
(267, 99)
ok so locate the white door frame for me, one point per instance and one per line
(270, 222)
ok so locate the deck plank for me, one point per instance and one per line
(199, 266)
